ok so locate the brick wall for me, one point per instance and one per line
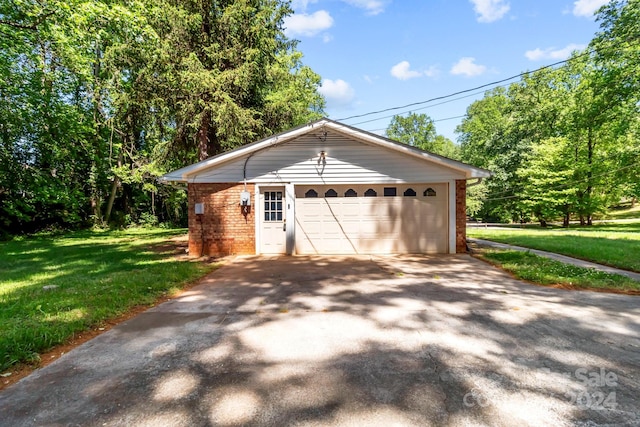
(224, 228)
(461, 216)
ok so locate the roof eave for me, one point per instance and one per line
(191, 171)
(469, 171)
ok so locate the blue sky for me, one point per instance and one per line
(377, 54)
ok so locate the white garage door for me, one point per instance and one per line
(371, 219)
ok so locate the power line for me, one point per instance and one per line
(497, 82)
(566, 185)
(435, 121)
(424, 108)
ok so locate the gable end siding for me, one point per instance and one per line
(347, 161)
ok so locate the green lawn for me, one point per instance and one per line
(626, 212)
(545, 271)
(616, 245)
(54, 287)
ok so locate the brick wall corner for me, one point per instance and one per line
(225, 227)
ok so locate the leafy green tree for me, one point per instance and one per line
(416, 130)
(617, 60)
(229, 73)
(99, 97)
(564, 141)
(487, 140)
(419, 130)
(546, 190)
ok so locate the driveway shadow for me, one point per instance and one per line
(317, 341)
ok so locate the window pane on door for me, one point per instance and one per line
(273, 206)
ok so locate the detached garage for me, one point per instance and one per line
(326, 188)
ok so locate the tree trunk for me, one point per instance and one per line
(112, 194)
(590, 148)
(96, 195)
(95, 205)
(565, 220)
(203, 137)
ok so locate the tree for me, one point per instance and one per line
(419, 130)
(617, 59)
(488, 140)
(230, 73)
(416, 130)
(99, 97)
(547, 191)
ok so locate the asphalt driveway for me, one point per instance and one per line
(351, 341)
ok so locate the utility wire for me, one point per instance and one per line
(497, 82)
(435, 121)
(424, 108)
(568, 184)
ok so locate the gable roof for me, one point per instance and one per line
(184, 174)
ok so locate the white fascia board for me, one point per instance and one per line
(185, 174)
(468, 170)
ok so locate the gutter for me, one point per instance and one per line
(473, 184)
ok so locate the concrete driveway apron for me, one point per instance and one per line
(361, 341)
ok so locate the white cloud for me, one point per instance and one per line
(337, 92)
(467, 67)
(309, 25)
(587, 7)
(490, 10)
(367, 78)
(402, 71)
(552, 53)
(432, 71)
(373, 7)
(301, 5)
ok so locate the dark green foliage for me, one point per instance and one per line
(99, 98)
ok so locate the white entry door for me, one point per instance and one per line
(273, 220)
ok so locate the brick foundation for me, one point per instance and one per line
(224, 228)
(461, 216)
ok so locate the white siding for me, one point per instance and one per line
(347, 161)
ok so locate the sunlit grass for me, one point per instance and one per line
(52, 287)
(626, 212)
(545, 271)
(616, 245)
